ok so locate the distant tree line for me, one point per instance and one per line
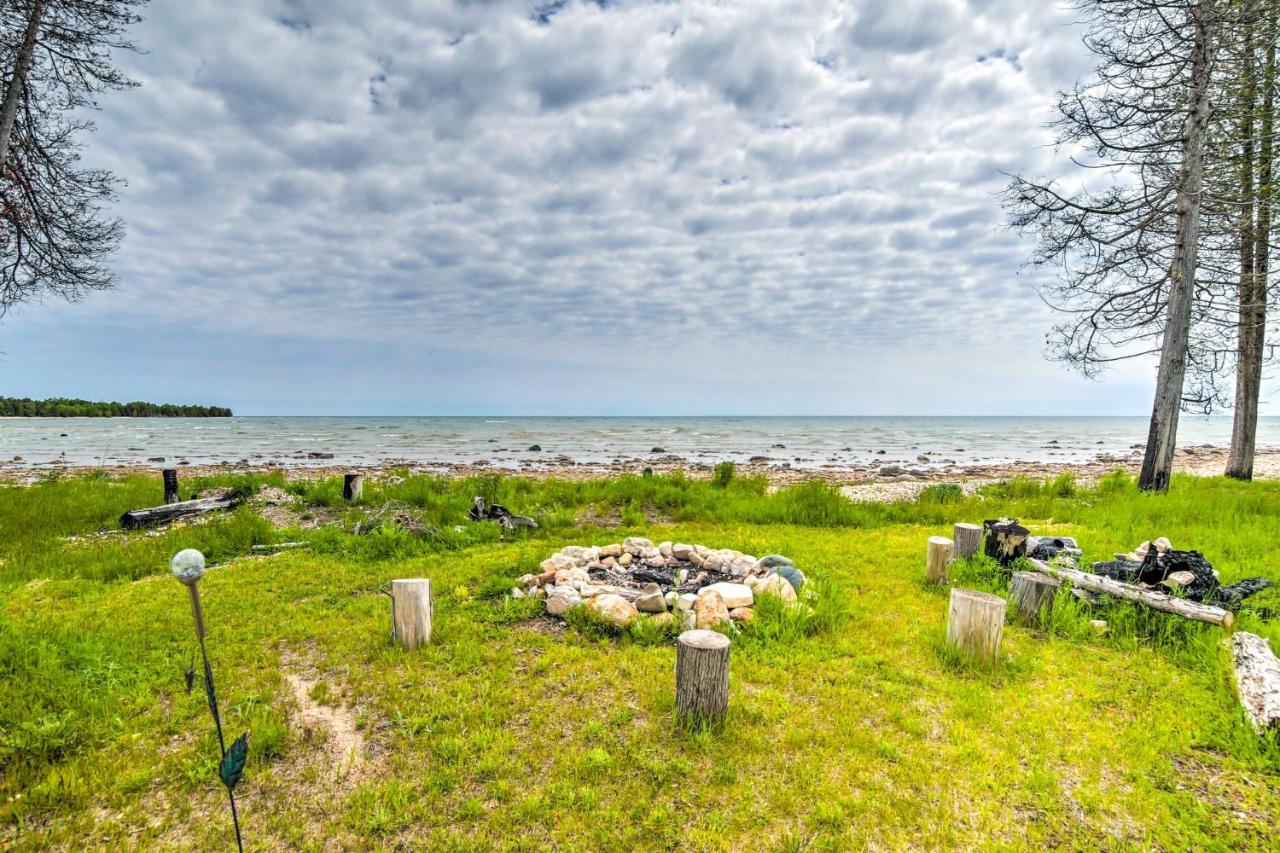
(63, 407)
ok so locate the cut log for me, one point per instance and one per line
(975, 623)
(411, 611)
(938, 556)
(1257, 680)
(169, 512)
(352, 487)
(170, 485)
(1006, 540)
(702, 678)
(1155, 600)
(967, 538)
(1031, 593)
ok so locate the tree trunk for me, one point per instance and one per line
(1031, 593)
(352, 487)
(411, 611)
(975, 623)
(938, 555)
(967, 538)
(1254, 253)
(702, 677)
(1157, 462)
(1257, 680)
(1155, 600)
(17, 83)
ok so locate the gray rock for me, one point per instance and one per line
(769, 561)
(651, 600)
(562, 598)
(793, 576)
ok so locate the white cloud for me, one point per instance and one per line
(815, 177)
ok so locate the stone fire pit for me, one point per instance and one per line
(692, 586)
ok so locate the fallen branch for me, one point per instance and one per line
(1257, 679)
(1149, 597)
(169, 512)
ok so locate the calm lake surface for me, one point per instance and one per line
(505, 442)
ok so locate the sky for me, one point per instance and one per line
(409, 207)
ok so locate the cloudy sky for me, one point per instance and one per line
(417, 206)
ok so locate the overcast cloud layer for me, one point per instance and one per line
(568, 207)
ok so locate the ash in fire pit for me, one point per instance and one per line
(621, 583)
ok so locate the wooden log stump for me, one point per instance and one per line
(170, 476)
(702, 677)
(1257, 680)
(975, 623)
(1031, 593)
(967, 538)
(938, 555)
(352, 487)
(411, 611)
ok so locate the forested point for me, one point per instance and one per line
(63, 407)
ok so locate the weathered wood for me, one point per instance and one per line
(411, 611)
(967, 538)
(938, 555)
(352, 487)
(1006, 540)
(1155, 600)
(1257, 679)
(169, 512)
(702, 677)
(278, 546)
(1031, 593)
(975, 623)
(170, 476)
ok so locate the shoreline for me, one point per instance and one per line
(859, 482)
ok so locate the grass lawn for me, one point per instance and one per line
(513, 732)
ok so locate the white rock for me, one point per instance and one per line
(664, 548)
(577, 552)
(672, 597)
(561, 598)
(517, 592)
(734, 595)
(777, 585)
(684, 575)
(613, 609)
(688, 620)
(636, 545)
(681, 551)
(556, 562)
(686, 601)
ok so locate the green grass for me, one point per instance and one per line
(850, 725)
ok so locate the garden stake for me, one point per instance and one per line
(188, 567)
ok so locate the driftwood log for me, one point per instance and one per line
(702, 677)
(169, 512)
(170, 476)
(967, 538)
(1031, 593)
(352, 487)
(975, 623)
(938, 556)
(1155, 600)
(1257, 679)
(411, 611)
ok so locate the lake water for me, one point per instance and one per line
(505, 442)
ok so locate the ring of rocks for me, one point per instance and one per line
(692, 586)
